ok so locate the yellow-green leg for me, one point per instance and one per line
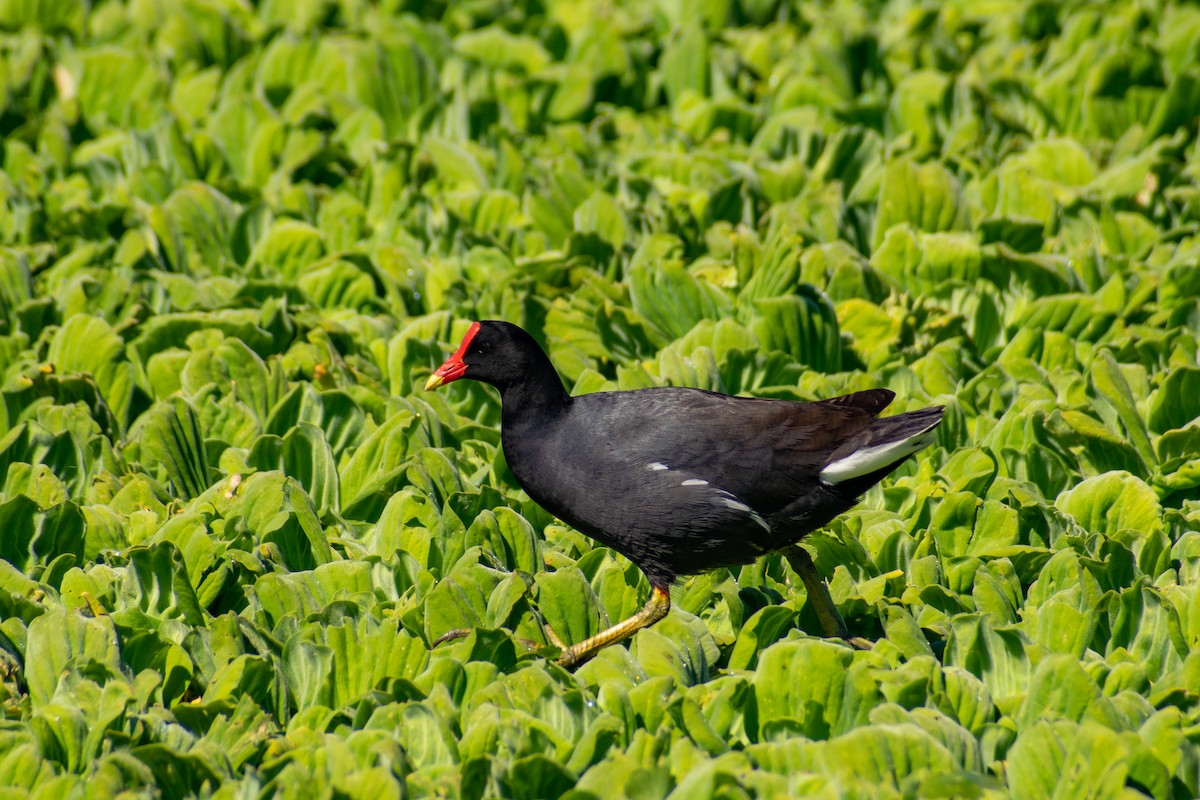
(831, 621)
(655, 609)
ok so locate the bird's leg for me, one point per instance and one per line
(831, 621)
(655, 609)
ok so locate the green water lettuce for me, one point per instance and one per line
(236, 238)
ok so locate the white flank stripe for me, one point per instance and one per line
(745, 509)
(867, 460)
(658, 466)
(694, 482)
(738, 505)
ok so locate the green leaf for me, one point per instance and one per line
(1061, 607)
(1066, 759)
(994, 654)
(110, 82)
(537, 776)
(38, 537)
(459, 600)
(74, 735)
(684, 63)
(759, 632)
(370, 476)
(156, 583)
(88, 344)
(568, 604)
(875, 756)
(305, 455)
(237, 371)
(1060, 689)
(306, 665)
(966, 699)
(923, 196)
(815, 706)
(1110, 384)
(178, 774)
(339, 284)
(287, 249)
(916, 107)
(872, 330)
(1174, 404)
(499, 48)
(456, 166)
(168, 435)
(672, 300)
(425, 737)
(510, 537)
(302, 506)
(1146, 625)
(679, 646)
(393, 73)
(601, 215)
(165, 331)
(304, 593)
(803, 325)
(928, 262)
(1113, 502)
(61, 641)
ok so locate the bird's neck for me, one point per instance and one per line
(538, 397)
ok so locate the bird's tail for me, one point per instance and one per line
(880, 448)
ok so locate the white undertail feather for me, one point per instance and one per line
(869, 459)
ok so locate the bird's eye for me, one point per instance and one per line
(483, 348)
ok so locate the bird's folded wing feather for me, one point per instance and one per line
(761, 451)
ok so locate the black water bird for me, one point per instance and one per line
(681, 481)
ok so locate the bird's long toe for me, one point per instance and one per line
(451, 635)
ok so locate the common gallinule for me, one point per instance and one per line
(679, 480)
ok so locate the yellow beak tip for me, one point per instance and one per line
(434, 382)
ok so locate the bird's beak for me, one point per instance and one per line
(452, 370)
(455, 367)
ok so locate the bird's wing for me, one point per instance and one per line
(763, 452)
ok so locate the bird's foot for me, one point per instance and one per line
(451, 635)
(572, 656)
(655, 609)
(461, 633)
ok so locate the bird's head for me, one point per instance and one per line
(494, 352)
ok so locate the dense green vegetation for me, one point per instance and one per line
(235, 237)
